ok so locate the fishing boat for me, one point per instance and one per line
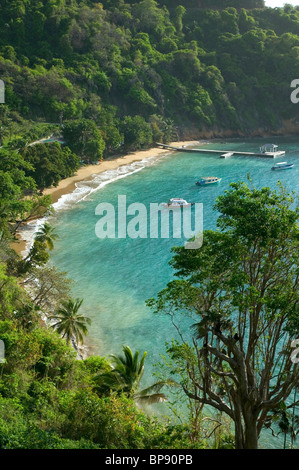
(177, 202)
(208, 180)
(282, 166)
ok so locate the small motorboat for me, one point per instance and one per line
(282, 166)
(208, 180)
(177, 202)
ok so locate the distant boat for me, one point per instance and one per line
(271, 150)
(226, 155)
(177, 202)
(208, 180)
(282, 166)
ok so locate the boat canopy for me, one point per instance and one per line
(177, 200)
(269, 148)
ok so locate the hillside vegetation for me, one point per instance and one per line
(142, 72)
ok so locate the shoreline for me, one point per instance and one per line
(68, 185)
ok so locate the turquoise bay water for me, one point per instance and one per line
(116, 276)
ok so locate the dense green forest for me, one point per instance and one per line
(113, 77)
(142, 72)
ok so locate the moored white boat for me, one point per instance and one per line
(177, 202)
(208, 180)
(282, 166)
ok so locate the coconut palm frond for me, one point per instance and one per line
(151, 399)
(68, 322)
(46, 234)
(126, 376)
(156, 387)
(201, 330)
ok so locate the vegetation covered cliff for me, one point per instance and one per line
(142, 72)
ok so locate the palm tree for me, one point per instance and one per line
(125, 377)
(68, 322)
(47, 235)
(288, 424)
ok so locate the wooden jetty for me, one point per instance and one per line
(276, 153)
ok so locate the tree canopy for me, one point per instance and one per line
(241, 290)
(218, 65)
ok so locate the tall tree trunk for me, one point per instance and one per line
(251, 434)
(239, 434)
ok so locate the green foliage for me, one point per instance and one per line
(96, 364)
(125, 377)
(39, 350)
(50, 163)
(81, 60)
(46, 234)
(46, 400)
(48, 287)
(241, 290)
(13, 300)
(14, 184)
(68, 322)
(19, 199)
(38, 255)
(16, 432)
(137, 133)
(117, 424)
(85, 139)
(118, 76)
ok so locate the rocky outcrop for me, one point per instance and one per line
(288, 127)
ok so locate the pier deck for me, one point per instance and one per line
(279, 153)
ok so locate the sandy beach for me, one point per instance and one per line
(85, 173)
(68, 185)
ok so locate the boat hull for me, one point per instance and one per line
(178, 206)
(288, 167)
(206, 183)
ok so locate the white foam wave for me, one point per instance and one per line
(28, 231)
(98, 181)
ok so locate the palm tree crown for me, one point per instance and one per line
(68, 322)
(126, 376)
(47, 235)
